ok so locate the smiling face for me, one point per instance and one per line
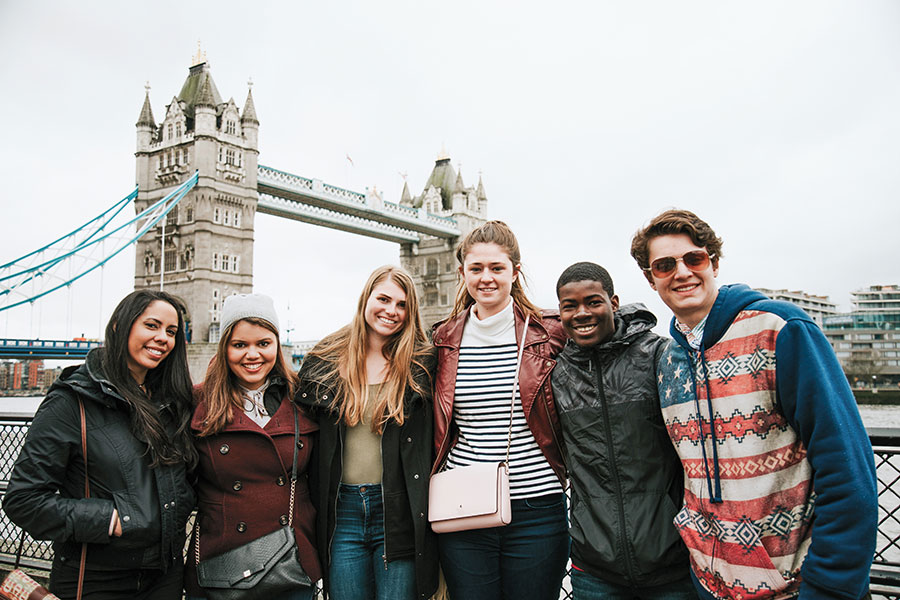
(251, 353)
(689, 294)
(489, 275)
(385, 312)
(151, 338)
(587, 312)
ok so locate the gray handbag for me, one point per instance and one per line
(260, 569)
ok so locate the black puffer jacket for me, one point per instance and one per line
(406, 453)
(626, 478)
(153, 504)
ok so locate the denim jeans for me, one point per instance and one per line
(359, 570)
(525, 560)
(298, 594)
(587, 587)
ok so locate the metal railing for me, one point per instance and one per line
(885, 576)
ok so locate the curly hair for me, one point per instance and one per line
(673, 222)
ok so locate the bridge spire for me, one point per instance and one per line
(249, 114)
(146, 117)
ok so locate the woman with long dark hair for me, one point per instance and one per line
(136, 393)
(244, 426)
(369, 386)
(474, 389)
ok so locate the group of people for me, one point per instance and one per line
(727, 462)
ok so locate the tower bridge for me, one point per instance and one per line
(203, 250)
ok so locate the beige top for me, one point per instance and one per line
(362, 447)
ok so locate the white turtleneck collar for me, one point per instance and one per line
(496, 329)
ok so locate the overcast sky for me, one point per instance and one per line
(777, 122)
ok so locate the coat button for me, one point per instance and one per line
(224, 449)
(166, 506)
(324, 396)
(237, 485)
(241, 527)
(303, 394)
(421, 515)
(409, 439)
(126, 518)
(280, 480)
(283, 519)
(416, 476)
(549, 363)
(300, 444)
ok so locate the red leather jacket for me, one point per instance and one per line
(544, 339)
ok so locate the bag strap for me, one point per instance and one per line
(293, 487)
(515, 388)
(87, 494)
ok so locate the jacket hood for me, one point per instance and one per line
(88, 380)
(631, 321)
(731, 300)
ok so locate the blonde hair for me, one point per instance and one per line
(220, 388)
(344, 355)
(493, 232)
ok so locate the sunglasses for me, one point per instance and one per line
(696, 260)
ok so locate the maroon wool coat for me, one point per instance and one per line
(243, 485)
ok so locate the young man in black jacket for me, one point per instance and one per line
(626, 480)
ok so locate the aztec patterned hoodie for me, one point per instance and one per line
(779, 476)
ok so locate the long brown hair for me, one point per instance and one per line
(220, 388)
(493, 232)
(344, 356)
(169, 382)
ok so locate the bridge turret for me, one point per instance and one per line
(249, 122)
(146, 125)
(205, 110)
(209, 235)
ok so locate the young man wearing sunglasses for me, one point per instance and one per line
(626, 478)
(780, 495)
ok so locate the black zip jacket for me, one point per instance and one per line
(626, 479)
(406, 457)
(153, 504)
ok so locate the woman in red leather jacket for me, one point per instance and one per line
(244, 428)
(477, 350)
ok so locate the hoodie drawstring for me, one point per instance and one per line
(715, 495)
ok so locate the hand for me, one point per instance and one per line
(117, 530)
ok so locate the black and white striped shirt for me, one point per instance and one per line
(481, 408)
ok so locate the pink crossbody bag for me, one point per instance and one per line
(475, 496)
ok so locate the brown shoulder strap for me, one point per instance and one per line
(87, 494)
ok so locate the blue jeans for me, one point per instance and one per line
(587, 587)
(359, 569)
(525, 560)
(298, 594)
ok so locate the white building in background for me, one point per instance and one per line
(817, 307)
(867, 339)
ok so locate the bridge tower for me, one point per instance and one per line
(204, 252)
(432, 261)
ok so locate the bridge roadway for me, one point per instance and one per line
(312, 201)
(25, 349)
(34, 349)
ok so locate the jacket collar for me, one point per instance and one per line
(448, 333)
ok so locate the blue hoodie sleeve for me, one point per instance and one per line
(817, 401)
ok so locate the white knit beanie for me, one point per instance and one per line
(242, 306)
